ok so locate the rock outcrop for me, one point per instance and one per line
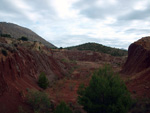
(138, 56)
(137, 67)
(20, 65)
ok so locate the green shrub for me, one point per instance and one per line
(43, 81)
(39, 101)
(106, 93)
(4, 52)
(61, 48)
(23, 38)
(62, 108)
(6, 35)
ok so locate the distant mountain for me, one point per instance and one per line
(100, 48)
(17, 31)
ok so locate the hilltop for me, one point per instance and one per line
(16, 31)
(99, 48)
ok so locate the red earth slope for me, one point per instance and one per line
(137, 67)
(20, 68)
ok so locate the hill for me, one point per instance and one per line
(22, 62)
(17, 31)
(99, 48)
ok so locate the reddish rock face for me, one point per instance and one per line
(19, 70)
(138, 56)
(137, 67)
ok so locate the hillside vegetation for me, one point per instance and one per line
(100, 48)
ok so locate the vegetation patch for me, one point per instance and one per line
(4, 52)
(6, 35)
(62, 108)
(100, 48)
(106, 93)
(39, 101)
(43, 81)
(23, 38)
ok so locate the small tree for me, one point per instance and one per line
(4, 52)
(23, 38)
(6, 35)
(106, 93)
(39, 101)
(62, 108)
(43, 81)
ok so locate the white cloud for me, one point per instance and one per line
(141, 5)
(116, 23)
(64, 8)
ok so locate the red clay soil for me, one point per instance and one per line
(137, 68)
(66, 89)
(139, 84)
(19, 70)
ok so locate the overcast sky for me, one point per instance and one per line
(115, 23)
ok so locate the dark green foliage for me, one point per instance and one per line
(106, 93)
(39, 101)
(43, 81)
(61, 48)
(62, 108)
(4, 52)
(6, 35)
(100, 48)
(23, 38)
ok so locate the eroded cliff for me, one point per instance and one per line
(137, 67)
(21, 63)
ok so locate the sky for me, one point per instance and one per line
(115, 23)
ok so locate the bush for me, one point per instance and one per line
(23, 38)
(106, 93)
(6, 35)
(39, 101)
(4, 52)
(43, 81)
(62, 108)
(61, 48)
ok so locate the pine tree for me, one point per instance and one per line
(106, 93)
(43, 81)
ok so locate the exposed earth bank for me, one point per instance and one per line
(137, 68)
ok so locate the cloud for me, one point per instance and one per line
(136, 15)
(70, 40)
(115, 23)
(138, 31)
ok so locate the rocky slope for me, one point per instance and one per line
(17, 31)
(137, 67)
(21, 62)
